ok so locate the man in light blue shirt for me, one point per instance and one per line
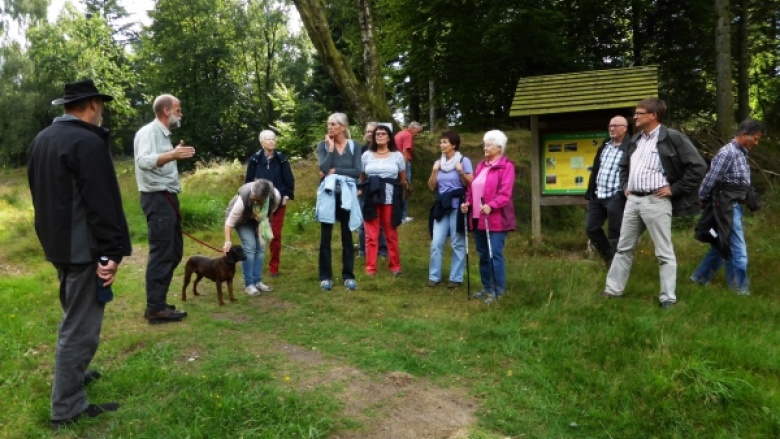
(158, 181)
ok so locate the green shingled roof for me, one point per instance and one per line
(584, 91)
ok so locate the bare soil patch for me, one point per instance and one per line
(395, 405)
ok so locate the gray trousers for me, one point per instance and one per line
(79, 336)
(655, 215)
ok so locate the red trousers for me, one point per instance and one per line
(277, 222)
(384, 213)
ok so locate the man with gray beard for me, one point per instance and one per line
(158, 181)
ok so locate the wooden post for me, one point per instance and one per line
(536, 182)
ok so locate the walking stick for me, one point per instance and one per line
(490, 252)
(466, 235)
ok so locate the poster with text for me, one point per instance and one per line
(567, 160)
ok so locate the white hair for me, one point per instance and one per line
(497, 138)
(265, 134)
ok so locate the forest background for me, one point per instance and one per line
(241, 66)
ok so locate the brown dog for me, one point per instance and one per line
(217, 269)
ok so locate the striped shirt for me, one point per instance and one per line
(646, 173)
(608, 179)
(729, 166)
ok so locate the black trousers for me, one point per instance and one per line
(166, 246)
(347, 250)
(599, 212)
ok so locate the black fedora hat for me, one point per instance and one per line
(76, 91)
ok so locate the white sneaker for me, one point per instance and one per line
(408, 219)
(263, 287)
(252, 291)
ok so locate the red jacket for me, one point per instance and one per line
(498, 195)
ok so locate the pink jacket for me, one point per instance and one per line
(498, 195)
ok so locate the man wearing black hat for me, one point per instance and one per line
(79, 219)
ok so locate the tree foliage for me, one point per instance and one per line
(239, 66)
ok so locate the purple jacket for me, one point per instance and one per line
(498, 195)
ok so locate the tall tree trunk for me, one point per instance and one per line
(367, 102)
(637, 32)
(723, 79)
(432, 105)
(371, 61)
(743, 62)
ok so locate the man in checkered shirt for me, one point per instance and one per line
(723, 193)
(606, 197)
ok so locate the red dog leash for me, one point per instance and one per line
(178, 215)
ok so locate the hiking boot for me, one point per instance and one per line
(451, 284)
(165, 316)
(146, 311)
(432, 283)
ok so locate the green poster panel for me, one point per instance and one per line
(567, 160)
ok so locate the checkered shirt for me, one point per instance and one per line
(729, 166)
(608, 179)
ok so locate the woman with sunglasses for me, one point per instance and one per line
(383, 182)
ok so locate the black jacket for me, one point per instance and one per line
(373, 193)
(442, 205)
(591, 192)
(718, 217)
(277, 171)
(682, 164)
(78, 205)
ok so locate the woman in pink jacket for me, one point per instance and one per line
(489, 197)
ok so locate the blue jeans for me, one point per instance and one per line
(736, 267)
(497, 239)
(255, 253)
(447, 227)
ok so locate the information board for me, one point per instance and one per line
(567, 160)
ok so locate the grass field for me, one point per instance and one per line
(396, 359)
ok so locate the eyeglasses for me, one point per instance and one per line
(616, 126)
(640, 113)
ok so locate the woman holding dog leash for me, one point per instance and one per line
(492, 214)
(249, 212)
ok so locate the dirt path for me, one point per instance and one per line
(393, 406)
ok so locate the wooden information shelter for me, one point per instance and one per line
(569, 117)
